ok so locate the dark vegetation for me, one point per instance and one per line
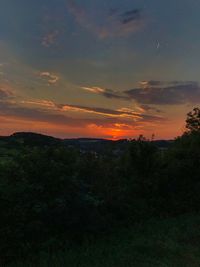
(172, 242)
(56, 193)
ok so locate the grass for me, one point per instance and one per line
(156, 243)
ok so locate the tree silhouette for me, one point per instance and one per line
(193, 120)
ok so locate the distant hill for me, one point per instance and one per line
(85, 144)
(30, 139)
(35, 138)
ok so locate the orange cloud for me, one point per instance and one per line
(43, 103)
(102, 111)
(96, 90)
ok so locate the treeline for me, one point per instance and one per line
(58, 193)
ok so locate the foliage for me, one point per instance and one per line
(154, 243)
(54, 192)
(193, 120)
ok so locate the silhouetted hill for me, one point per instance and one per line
(29, 139)
(34, 139)
(85, 144)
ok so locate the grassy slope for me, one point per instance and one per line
(163, 243)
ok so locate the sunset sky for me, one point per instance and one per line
(99, 68)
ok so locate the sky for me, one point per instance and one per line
(97, 68)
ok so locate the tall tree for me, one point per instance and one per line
(193, 120)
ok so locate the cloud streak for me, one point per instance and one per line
(155, 93)
(45, 111)
(106, 112)
(102, 111)
(108, 93)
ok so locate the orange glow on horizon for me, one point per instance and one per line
(11, 124)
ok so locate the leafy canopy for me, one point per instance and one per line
(193, 120)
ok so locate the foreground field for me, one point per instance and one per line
(158, 243)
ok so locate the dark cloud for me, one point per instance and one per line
(150, 108)
(155, 83)
(166, 93)
(159, 93)
(130, 16)
(109, 93)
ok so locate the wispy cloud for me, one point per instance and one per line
(49, 77)
(43, 115)
(109, 93)
(95, 90)
(105, 112)
(41, 103)
(110, 24)
(102, 111)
